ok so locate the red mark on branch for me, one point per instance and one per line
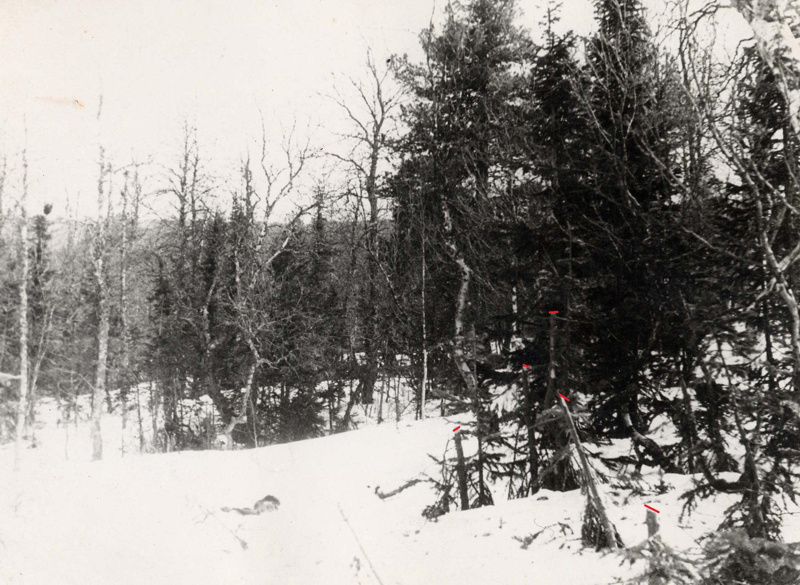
(526, 366)
(455, 429)
(653, 509)
(564, 397)
(554, 312)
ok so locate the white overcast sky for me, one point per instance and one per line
(218, 64)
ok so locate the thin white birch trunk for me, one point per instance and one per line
(459, 356)
(123, 308)
(22, 404)
(242, 417)
(424, 389)
(99, 251)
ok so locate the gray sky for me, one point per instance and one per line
(219, 64)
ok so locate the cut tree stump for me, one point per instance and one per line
(461, 471)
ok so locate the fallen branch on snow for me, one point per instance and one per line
(406, 485)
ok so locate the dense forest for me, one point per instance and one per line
(520, 218)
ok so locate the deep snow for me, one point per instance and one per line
(158, 519)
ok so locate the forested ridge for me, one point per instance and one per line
(521, 216)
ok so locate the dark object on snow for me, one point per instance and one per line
(265, 504)
(647, 450)
(406, 485)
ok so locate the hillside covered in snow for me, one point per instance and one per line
(159, 518)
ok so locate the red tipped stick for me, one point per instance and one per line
(455, 429)
(554, 312)
(526, 366)
(564, 397)
(653, 509)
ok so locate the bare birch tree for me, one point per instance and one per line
(130, 196)
(370, 137)
(22, 407)
(255, 252)
(780, 50)
(99, 253)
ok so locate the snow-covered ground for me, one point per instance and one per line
(136, 518)
(158, 519)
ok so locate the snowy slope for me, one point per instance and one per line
(158, 519)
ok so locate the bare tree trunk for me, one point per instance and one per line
(467, 371)
(551, 368)
(652, 524)
(459, 338)
(22, 409)
(154, 401)
(780, 50)
(139, 416)
(785, 291)
(397, 411)
(3, 420)
(67, 406)
(331, 409)
(371, 340)
(769, 354)
(370, 133)
(344, 425)
(75, 393)
(591, 483)
(530, 421)
(37, 364)
(242, 417)
(480, 423)
(555, 437)
(380, 399)
(3, 423)
(515, 342)
(689, 413)
(461, 472)
(123, 309)
(424, 389)
(99, 252)
(102, 369)
(254, 410)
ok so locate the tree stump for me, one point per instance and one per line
(652, 524)
(461, 472)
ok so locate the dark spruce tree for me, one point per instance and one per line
(457, 178)
(619, 217)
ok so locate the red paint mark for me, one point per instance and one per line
(564, 397)
(553, 312)
(455, 429)
(526, 366)
(653, 509)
